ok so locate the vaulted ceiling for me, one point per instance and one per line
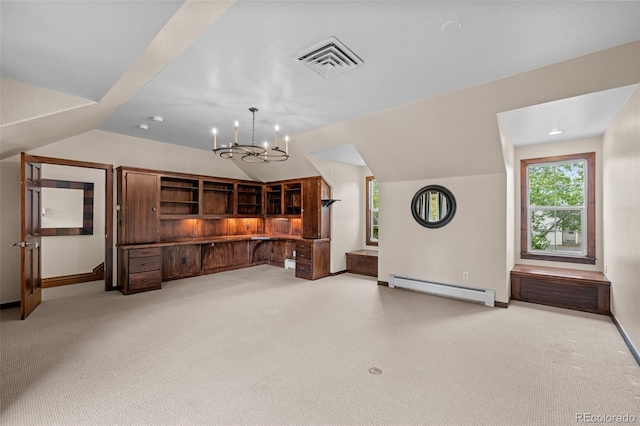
(430, 80)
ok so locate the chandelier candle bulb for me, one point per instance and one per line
(250, 153)
(235, 138)
(286, 146)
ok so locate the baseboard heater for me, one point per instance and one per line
(488, 297)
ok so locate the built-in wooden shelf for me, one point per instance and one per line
(587, 291)
(363, 262)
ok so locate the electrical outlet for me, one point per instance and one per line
(465, 275)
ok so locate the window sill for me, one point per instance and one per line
(554, 258)
(371, 243)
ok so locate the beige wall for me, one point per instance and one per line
(9, 231)
(508, 151)
(474, 241)
(99, 147)
(347, 185)
(621, 212)
(577, 146)
(74, 254)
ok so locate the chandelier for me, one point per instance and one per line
(252, 153)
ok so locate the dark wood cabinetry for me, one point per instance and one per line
(249, 200)
(139, 270)
(316, 220)
(278, 251)
(196, 225)
(178, 196)
(312, 259)
(180, 261)
(292, 198)
(217, 198)
(566, 288)
(363, 262)
(138, 208)
(273, 195)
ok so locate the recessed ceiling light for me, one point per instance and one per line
(157, 118)
(451, 26)
(555, 132)
(143, 127)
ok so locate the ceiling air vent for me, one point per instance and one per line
(329, 57)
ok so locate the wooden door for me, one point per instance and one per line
(31, 224)
(311, 208)
(141, 208)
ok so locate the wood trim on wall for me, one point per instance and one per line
(368, 240)
(590, 258)
(87, 208)
(95, 275)
(108, 215)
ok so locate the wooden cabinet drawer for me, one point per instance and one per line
(304, 270)
(145, 281)
(303, 245)
(157, 251)
(303, 256)
(143, 264)
(312, 259)
(547, 292)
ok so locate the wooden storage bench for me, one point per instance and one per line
(363, 262)
(566, 288)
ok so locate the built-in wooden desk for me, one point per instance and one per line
(566, 288)
(144, 267)
(363, 262)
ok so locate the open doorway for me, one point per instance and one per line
(77, 222)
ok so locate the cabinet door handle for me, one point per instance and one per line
(154, 209)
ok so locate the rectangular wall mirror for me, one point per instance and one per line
(67, 208)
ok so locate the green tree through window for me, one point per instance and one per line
(556, 206)
(558, 213)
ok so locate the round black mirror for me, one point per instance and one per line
(433, 206)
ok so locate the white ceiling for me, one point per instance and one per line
(245, 58)
(77, 47)
(578, 117)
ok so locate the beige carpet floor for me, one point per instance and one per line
(259, 346)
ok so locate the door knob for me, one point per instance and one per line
(25, 244)
(154, 209)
